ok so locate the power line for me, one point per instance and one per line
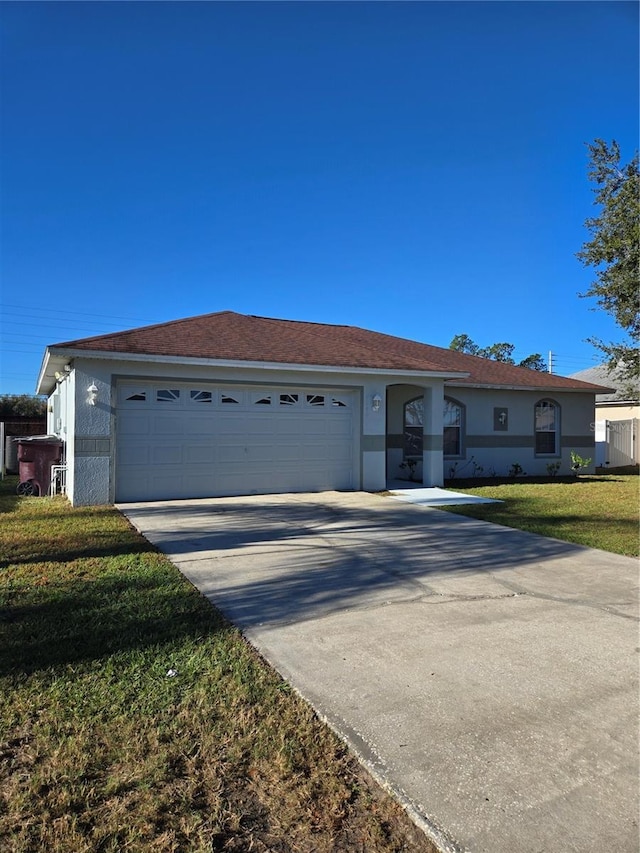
(66, 311)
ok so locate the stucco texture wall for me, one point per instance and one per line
(498, 430)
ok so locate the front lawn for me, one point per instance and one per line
(599, 511)
(133, 717)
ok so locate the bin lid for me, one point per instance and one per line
(39, 439)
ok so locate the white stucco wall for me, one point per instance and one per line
(496, 451)
(93, 452)
(94, 461)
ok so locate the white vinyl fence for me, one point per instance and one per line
(616, 443)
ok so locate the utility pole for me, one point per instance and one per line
(550, 362)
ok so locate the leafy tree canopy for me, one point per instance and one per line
(614, 252)
(22, 405)
(497, 352)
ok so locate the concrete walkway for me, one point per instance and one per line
(488, 677)
(434, 496)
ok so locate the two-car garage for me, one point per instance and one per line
(183, 440)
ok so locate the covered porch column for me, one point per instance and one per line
(374, 410)
(432, 444)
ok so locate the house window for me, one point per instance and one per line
(453, 418)
(338, 403)
(547, 427)
(225, 398)
(452, 428)
(262, 401)
(201, 397)
(413, 418)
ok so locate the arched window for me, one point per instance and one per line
(453, 422)
(413, 420)
(547, 428)
(452, 431)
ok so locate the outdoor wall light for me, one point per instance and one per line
(376, 402)
(92, 391)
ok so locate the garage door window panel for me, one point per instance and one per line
(315, 401)
(133, 394)
(289, 399)
(167, 395)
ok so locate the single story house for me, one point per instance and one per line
(233, 404)
(617, 415)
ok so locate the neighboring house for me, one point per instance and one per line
(617, 416)
(230, 404)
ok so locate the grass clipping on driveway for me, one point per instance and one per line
(596, 511)
(133, 717)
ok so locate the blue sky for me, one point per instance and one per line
(413, 168)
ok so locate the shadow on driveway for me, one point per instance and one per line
(486, 676)
(302, 557)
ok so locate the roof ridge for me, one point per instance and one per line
(301, 322)
(362, 344)
(148, 327)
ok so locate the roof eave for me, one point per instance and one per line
(540, 388)
(65, 354)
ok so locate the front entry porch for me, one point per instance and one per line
(414, 435)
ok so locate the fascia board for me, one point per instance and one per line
(259, 365)
(556, 389)
(40, 387)
(52, 361)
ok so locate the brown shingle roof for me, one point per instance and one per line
(226, 335)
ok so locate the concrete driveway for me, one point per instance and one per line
(487, 677)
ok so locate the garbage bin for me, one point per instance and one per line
(36, 455)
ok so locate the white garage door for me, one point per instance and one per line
(176, 440)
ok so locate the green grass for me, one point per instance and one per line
(599, 511)
(102, 750)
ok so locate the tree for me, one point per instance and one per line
(614, 253)
(534, 362)
(496, 352)
(22, 405)
(500, 352)
(463, 343)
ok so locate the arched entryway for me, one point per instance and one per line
(415, 433)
